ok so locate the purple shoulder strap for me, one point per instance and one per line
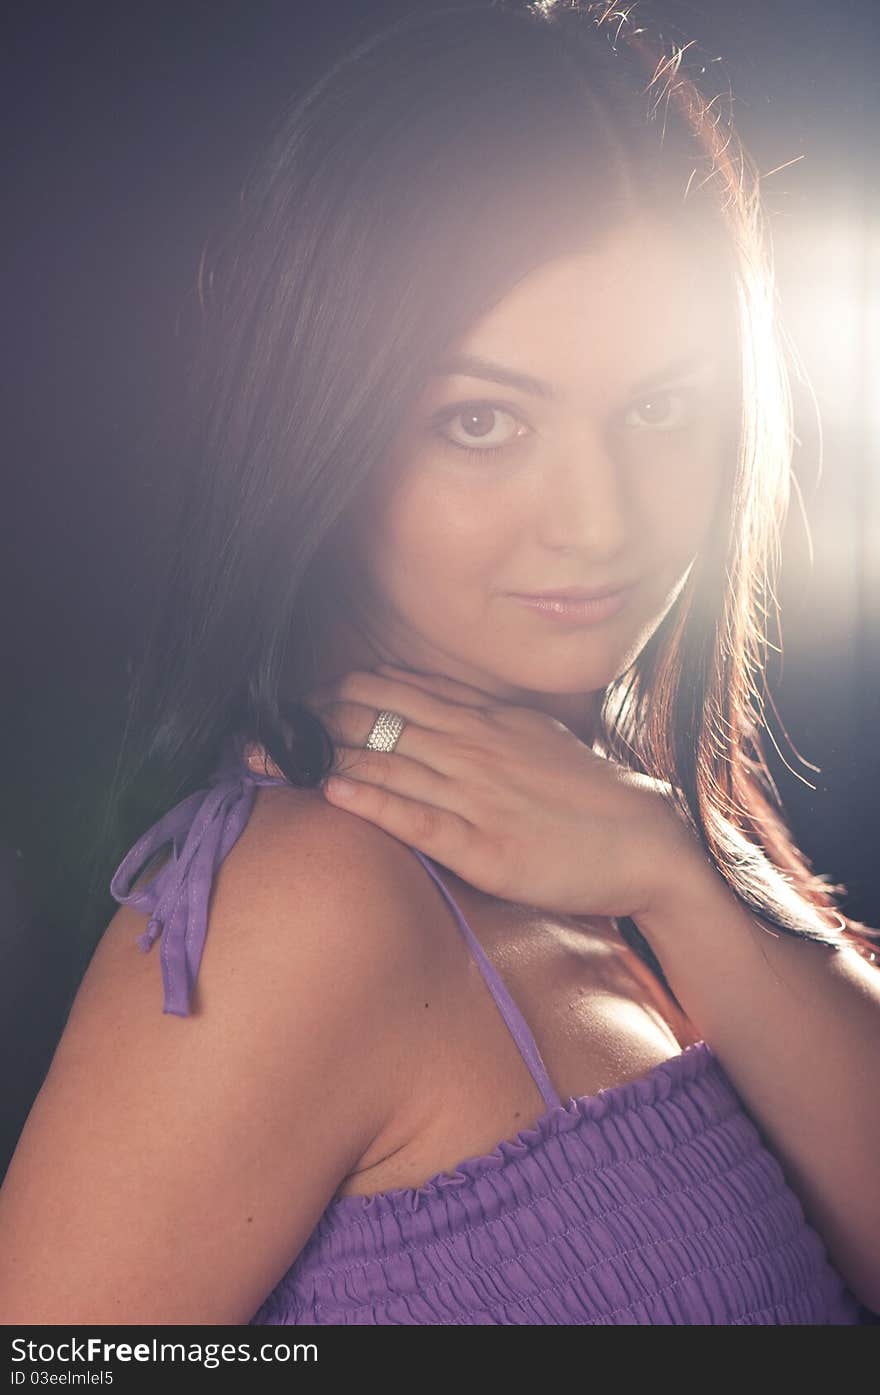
(202, 829)
(519, 1028)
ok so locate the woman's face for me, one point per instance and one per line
(598, 466)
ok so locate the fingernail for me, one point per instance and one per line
(338, 788)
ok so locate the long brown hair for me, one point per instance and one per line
(691, 711)
(399, 197)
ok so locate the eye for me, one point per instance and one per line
(485, 427)
(664, 410)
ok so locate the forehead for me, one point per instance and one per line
(641, 298)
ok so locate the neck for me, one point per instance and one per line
(337, 644)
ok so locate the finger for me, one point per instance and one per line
(487, 704)
(350, 723)
(456, 691)
(389, 770)
(460, 755)
(414, 703)
(438, 833)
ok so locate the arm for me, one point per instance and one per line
(172, 1168)
(796, 1027)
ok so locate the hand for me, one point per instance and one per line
(505, 797)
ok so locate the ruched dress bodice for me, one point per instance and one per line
(655, 1202)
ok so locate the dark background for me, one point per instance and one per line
(127, 129)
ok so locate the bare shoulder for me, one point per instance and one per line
(172, 1168)
(296, 834)
(355, 895)
(305, 880)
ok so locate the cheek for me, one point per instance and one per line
(438, 538)
(680, 501)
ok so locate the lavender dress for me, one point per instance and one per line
(652, 1202)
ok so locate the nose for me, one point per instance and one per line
(584, 500)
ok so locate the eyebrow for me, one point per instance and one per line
(473, 366)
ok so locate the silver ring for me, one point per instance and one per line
(385, 732)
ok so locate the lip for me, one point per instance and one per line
(576, 607)
(575, 593)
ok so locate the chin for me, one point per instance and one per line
(561, 680)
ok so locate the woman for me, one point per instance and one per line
(500, 1036)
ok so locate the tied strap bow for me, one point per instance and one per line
(202, 829)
